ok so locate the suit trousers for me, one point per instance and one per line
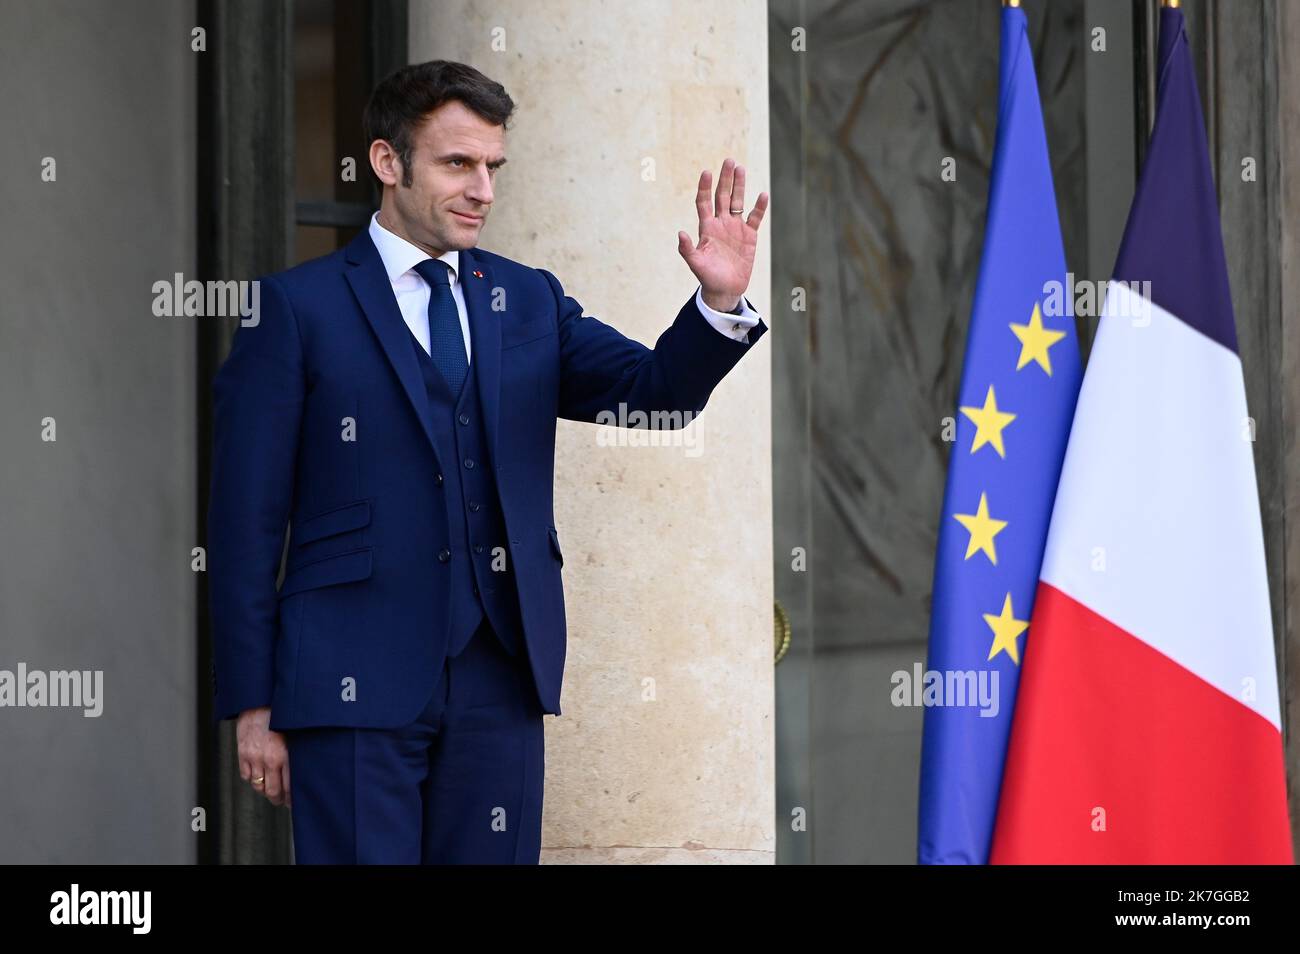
(462, 784)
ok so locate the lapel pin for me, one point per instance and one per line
(477, 273)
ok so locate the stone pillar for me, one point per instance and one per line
(98, 514)
(664, 752)
(1286, 25)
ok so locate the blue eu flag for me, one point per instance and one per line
(1019, 384)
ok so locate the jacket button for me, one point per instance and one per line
(464, 418)
(478, 548)
(438, 479)
(469, 463)
(444, 556)
(475, 507)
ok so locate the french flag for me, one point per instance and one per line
(1147, 726)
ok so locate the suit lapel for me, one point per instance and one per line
(374, 293)
(370, 284)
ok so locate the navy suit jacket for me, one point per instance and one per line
(363, 591)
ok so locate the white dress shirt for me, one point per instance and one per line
(412, 292)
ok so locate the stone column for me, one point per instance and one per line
(97, 412)
(1286, 26)
(664, 753)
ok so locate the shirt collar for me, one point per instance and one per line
(400, 256)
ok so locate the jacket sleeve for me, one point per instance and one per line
(257, 411)
(601, 368)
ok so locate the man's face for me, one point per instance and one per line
(454, 160)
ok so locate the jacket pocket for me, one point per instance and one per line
(555, 544)
(345, 567)
(331, 522)
(515, 334)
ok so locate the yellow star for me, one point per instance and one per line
(1005, 630)
(989, 422)
(982, 529)
(1035, 340)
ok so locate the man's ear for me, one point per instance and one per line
(385, 162)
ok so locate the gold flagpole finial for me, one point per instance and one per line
(1172, 4)
(1011, 3)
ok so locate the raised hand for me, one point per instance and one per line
(724, 258)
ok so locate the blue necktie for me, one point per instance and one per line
(446, 340)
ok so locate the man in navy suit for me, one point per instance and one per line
(394, 406)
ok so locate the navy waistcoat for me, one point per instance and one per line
(482, 579)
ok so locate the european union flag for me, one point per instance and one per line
(1019, 384)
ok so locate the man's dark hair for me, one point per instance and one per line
(407, 95)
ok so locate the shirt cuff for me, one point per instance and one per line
(735, 326)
